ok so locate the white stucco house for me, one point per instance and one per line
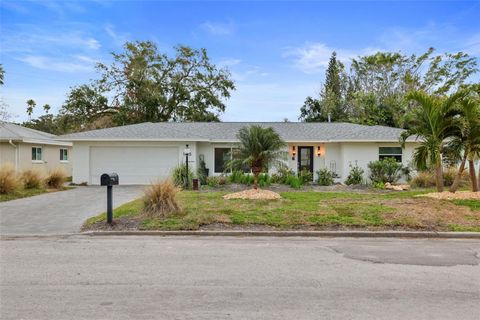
(145, 152)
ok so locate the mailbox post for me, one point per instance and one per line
(109, 180)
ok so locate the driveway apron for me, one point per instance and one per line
(59, 212)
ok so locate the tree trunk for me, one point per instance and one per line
(473, 176)
(458, 176)
(256, 171)
(439, 178)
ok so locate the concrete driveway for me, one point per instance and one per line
(60, 212)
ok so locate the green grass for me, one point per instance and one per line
(472, 204)
(25, 193)
(296, 210)
(21, 193)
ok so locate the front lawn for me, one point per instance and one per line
(304, 211)
(24, 193)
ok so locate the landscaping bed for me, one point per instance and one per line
(303, 210)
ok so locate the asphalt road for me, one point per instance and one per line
(82, 277)
(60, 212)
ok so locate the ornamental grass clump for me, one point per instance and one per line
(32, 179)
(8, 179)
(56, 178)
(160, 199)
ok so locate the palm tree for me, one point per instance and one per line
(433, 122)
(467, 141)
(259, 148)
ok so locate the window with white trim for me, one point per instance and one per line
(63, 154)
(37, 154)
(390, 152)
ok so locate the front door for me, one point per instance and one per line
(305, 158)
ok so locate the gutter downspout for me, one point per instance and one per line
(16, 153)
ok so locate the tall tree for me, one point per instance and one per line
(2, 75)
(330, 105)
(147, 85)
(30, 106)
(434, 123)
(46, 108)
(466, 142)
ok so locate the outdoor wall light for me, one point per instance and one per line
(294, 152)
(319, 151)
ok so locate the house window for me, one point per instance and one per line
(36, 154)
(63, 154)
(222, 156)
(390, 152)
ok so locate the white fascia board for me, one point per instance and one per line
(49, 142)
(137, 140)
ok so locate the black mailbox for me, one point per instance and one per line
(109, 179)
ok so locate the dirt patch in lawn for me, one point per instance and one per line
(430, 214)
(253, 194)
(459, 195)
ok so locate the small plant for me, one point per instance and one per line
(32, 179)
(426, 179)
(247, 179)
(202, 172)
(212, 181)
(264, 180)
(179, 176)
(56, 178)
(236, 176)
(379, 185)
(222, 180)
(305, 176)
(294, 182)
(325, 177)
(386, 170)
(281, 175)
(355, 176)
(159, 199)
(8, 179)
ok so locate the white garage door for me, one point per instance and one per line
(134, 165)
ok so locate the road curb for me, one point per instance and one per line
(326, 234)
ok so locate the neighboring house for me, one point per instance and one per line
(26, 148)
(142, 153)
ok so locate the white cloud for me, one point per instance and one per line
(218, 28)
(117, 37)
(473, 45)
(74, 64)
(313, 57)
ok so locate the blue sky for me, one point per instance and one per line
(276, 51)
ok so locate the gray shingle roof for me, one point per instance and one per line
(15, 132)
(226, 131)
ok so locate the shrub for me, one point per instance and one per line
(355, 176)
(159, 199)
(281, 175)
(325, 177)
(32, 179)
(379, 185)
(222, 180)
(56, 178)
(293, 181)
(212, 181)
(202, 172)
(264, 180)
(386, 170)
(426, 179)
(236, 177)
(179, 174)
(305, 176)
(8, 179)
(247, 179)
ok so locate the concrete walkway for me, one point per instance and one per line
(59, 212)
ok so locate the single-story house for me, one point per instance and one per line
(144, 152)
(25, 148)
